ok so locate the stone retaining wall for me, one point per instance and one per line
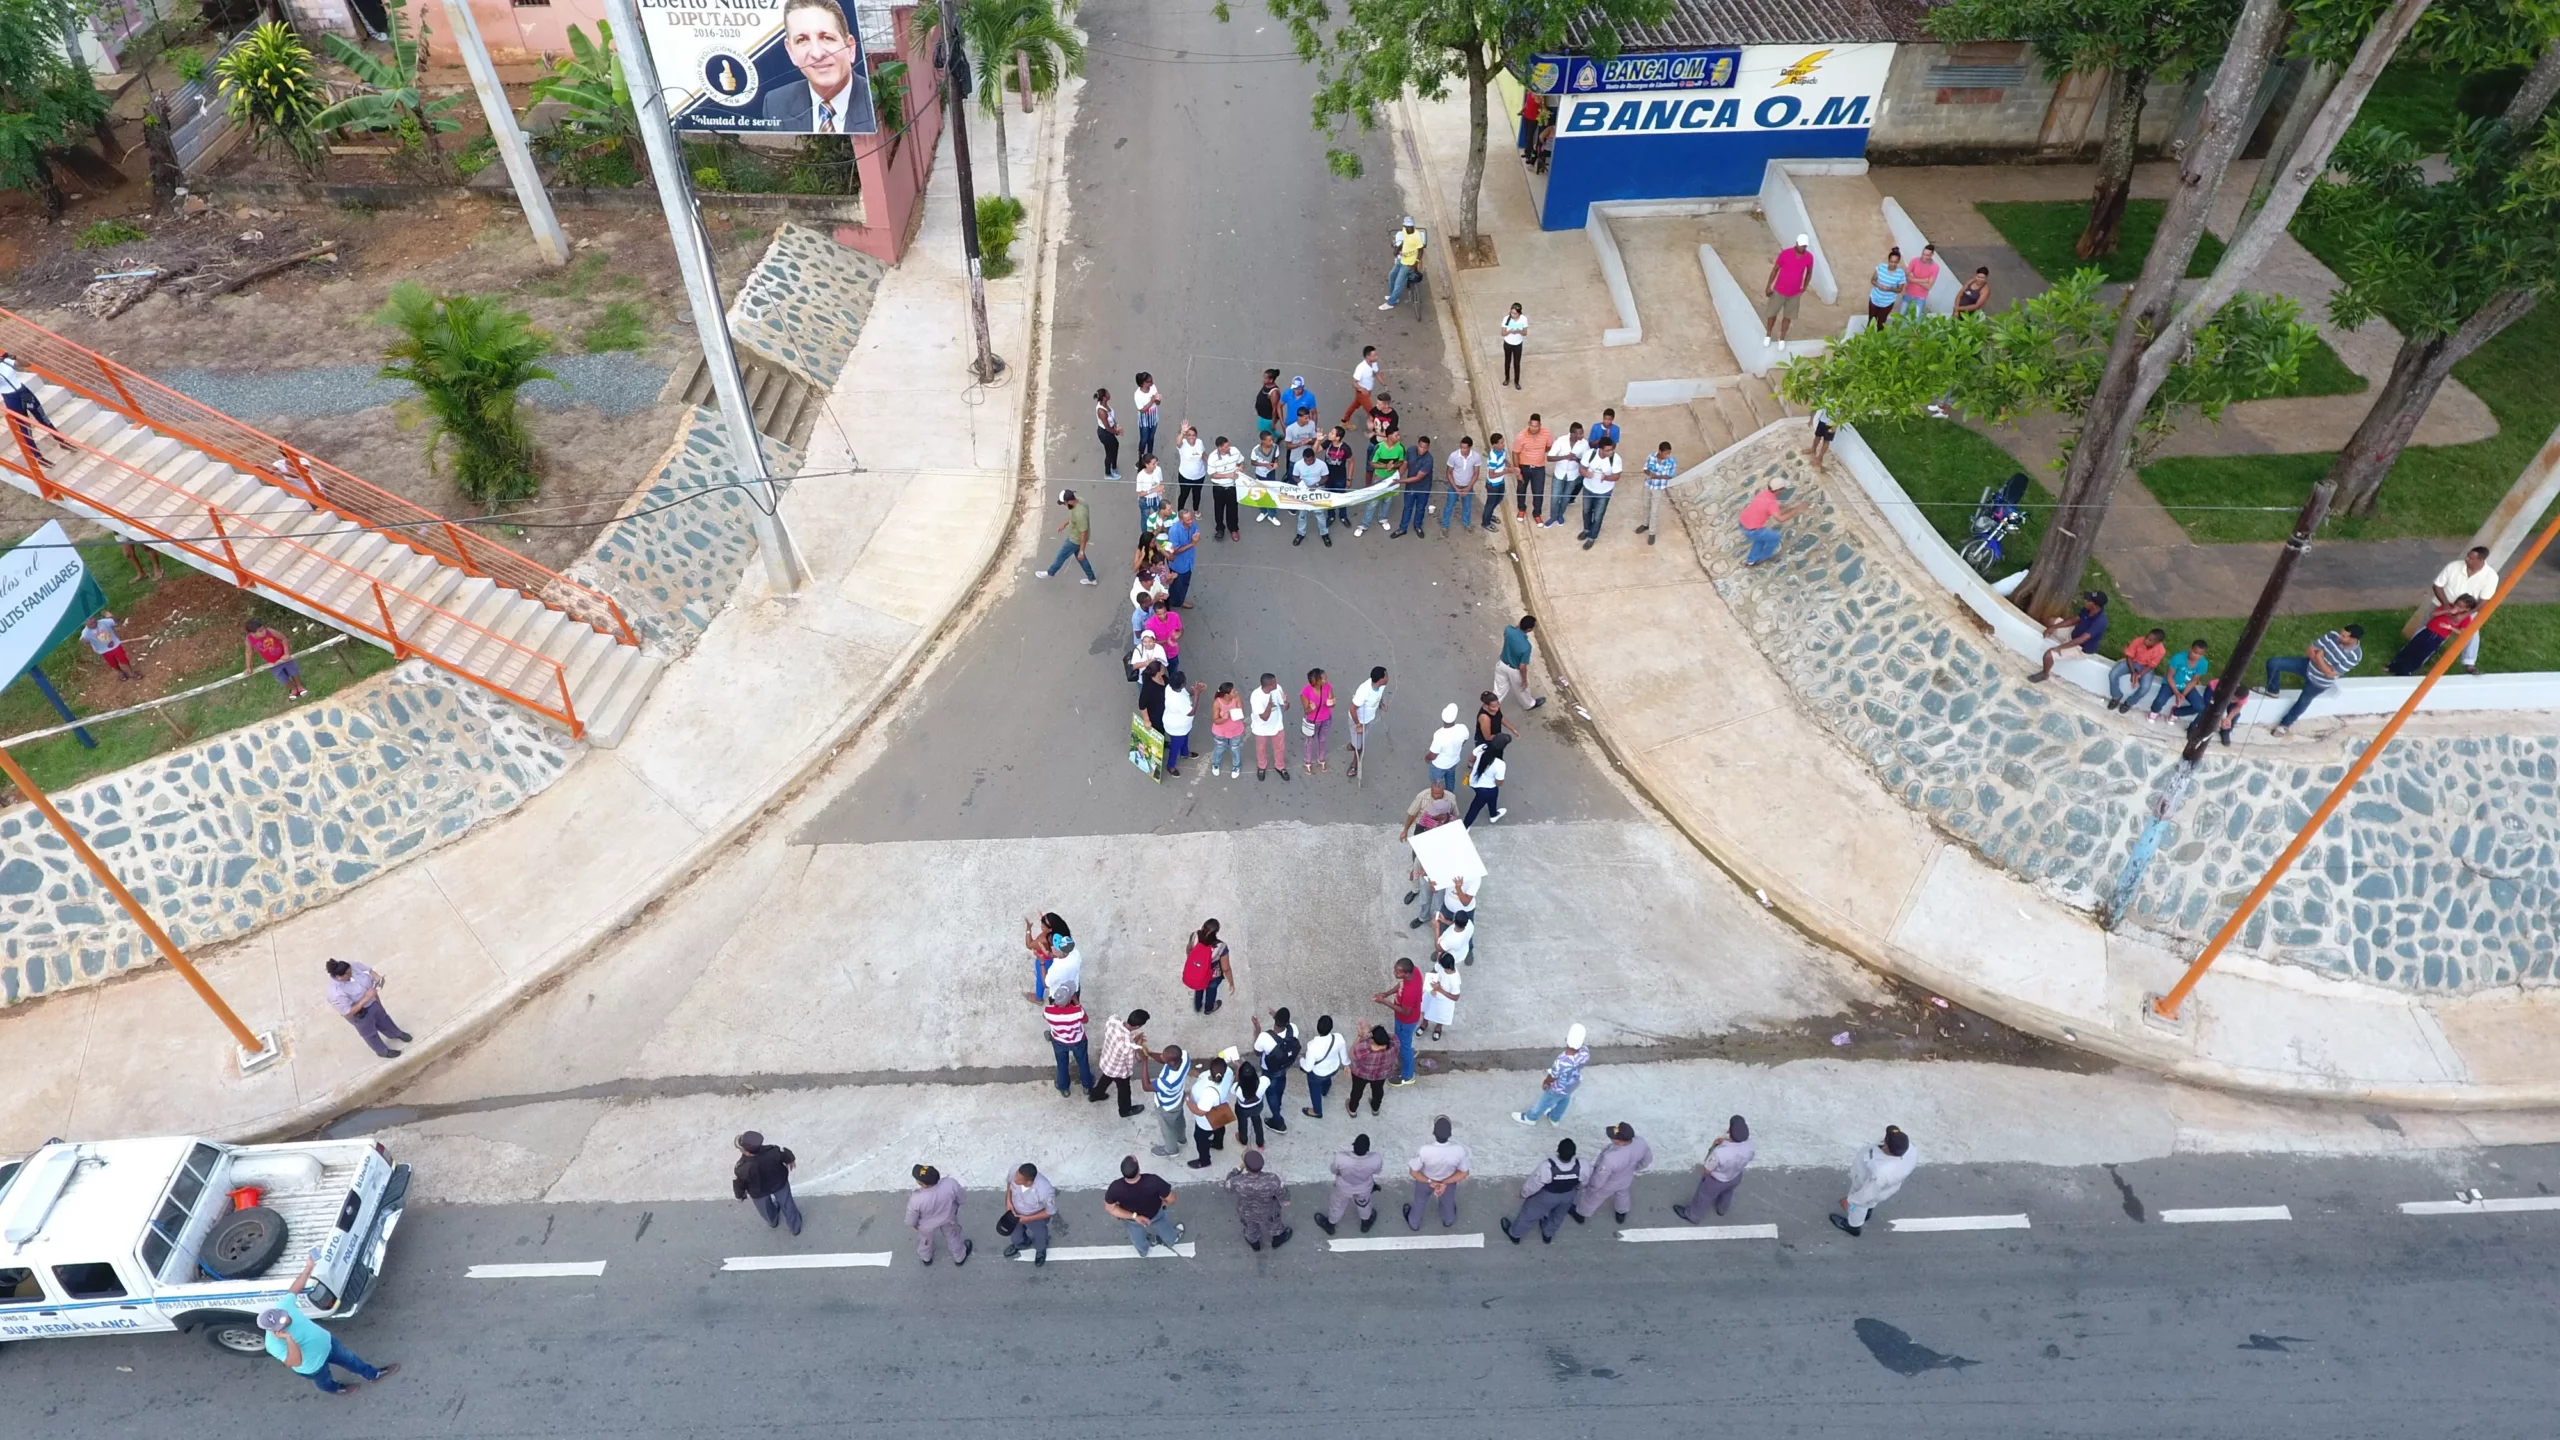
(2442, 873)
(248, 828)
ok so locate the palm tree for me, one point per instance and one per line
(1029, 37)
(468, 356)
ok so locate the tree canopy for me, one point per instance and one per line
(46, 98)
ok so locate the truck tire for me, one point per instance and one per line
(244, 1244)
(234, 1334)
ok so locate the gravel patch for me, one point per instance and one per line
(615, 382)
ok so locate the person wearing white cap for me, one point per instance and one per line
(300, 1342)
(1564, 1076)
(1784, 289)
(1408, 242)
(1448, 743)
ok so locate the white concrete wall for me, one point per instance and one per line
(1744, 333)
(1613, 273)
(2377, 695)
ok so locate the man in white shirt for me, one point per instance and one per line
(1448, 744)
(1366, 702)
(1268, 711)
(1225, 466)
(2471, 575)
(18, 396)
(1212, 1087)
(1464, 465)
(1309, 472)
(1564, 466)
(1364, 384)
(1181, 703)
(1599, 481)
(1325, 1056)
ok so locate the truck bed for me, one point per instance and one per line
(310, 1212)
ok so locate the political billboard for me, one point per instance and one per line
(761, 67)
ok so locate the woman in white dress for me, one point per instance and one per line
(1440, 996)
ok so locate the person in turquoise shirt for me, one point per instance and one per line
(1886, 290)
(298, 1341)
(2186, 681)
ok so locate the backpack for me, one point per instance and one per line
(1284, 1051)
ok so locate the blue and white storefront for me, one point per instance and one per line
(1676, 125)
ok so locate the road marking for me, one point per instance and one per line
(2229, 1214)
(550, 1270)
(2480, 1207)
(1186, 1250)
(1699, 1232)
(1410, 1242)
(1960, 1222)
(838, 1261)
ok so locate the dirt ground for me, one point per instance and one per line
(321, 314)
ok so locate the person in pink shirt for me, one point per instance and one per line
(1918, 276)
(1315, 710)
(1763, 514)
(1166, 625)
(1784, 289)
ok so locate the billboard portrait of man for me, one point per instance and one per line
(832, 95)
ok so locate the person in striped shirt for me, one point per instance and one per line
(1065, 1015)
(1172, 1082)
(2330, 658)
(1123, 1041)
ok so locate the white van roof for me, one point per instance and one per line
(103, 1211)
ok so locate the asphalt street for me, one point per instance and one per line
(2103, 1317)
(1207, 241)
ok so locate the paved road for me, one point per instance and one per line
(2350, 1319)
(1208, 241)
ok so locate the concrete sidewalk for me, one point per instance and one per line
(1684, 698)
(909, 490)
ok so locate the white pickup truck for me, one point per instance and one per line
(143, 1235)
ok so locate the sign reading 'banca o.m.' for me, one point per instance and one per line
(45, 596)
(1775, 87)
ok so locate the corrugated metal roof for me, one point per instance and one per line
(1703, 24)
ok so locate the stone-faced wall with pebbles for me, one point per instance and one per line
(2441, 873)
(675, 556)
(251, 827)
(804, 303)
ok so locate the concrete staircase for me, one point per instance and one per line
(550, 646)
(1741, 405)
(786, 407)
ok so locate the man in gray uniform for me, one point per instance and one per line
(1613, 1174)
(1260, 1197)
(1355, 1179)
(1438, 1169)
(1544, 1196)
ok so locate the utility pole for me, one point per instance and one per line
(956, 88)
(536, 201)
(2179, 783)
(782, 565)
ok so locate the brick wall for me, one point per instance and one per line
(1957, 103)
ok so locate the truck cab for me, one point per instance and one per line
(166, 1234)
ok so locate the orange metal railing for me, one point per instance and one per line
(218, 536)
(149, 403)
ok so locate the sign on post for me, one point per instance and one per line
(46, 594)
(760, 67)
(1447, 852)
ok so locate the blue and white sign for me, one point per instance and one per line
(1657, 70)
(1680, 138)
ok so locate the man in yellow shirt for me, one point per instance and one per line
(1408, 242)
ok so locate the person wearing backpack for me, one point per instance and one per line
(266, 647)
(1545, 1196)
(1277, 1045)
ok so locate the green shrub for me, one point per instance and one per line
(468, 357)
(998, 218)
(108, 233)
(476, 156)
(189, 63)
(269, 84)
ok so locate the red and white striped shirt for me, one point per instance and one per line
(1066, 1022)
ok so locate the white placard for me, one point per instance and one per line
(1447, 852)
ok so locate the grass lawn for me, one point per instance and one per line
(2425, 104)
(2432, 491)
(2042, 232)
(1944, 468)
(183, 631)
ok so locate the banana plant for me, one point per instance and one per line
(391, 99)
(596, 99)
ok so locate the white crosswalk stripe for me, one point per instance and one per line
(837, 1261)
(1667, 1233)
(1473, 1241)
(2507, 1206)
(2225, 1215)
(1958, 1222)
(1187, 1250)
(552, 1270)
